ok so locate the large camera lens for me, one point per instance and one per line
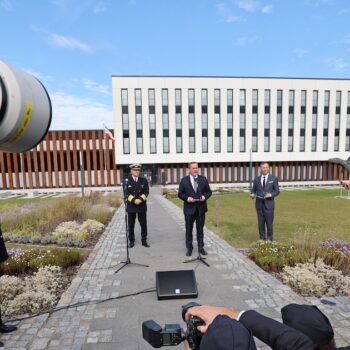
(25, 110)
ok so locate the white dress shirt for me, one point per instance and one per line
(262, 179)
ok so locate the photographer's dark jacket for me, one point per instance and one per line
(275, 334)
(186, 190)
(227, 334)
(271, 186)
(136, 190)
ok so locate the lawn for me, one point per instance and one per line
(300, 215)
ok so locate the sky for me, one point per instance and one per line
(75, 46)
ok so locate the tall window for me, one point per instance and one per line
(125, 121)
(191, 121)
(138, 114)
(242, 115)
(204, 101)
(152, 120)
(347, 140)
(326, 120)
(267, 108)
(291, 121)
(314, 120)
(254, 120)
(178, 120)
(337, 120)
(279, 121)
(229, 120)
(302, 120)
(165, 120)
(217, 121)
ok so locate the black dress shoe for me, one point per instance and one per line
(189, 252)
(145, 244)
(7, 329)
(131, 244)
(203, 252)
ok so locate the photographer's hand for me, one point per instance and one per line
(187, 347)
(209, 313)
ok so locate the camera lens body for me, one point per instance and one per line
(25, 110)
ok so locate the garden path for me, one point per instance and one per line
(231, 279)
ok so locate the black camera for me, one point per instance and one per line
(173, 334)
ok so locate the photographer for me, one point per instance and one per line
(220, 321)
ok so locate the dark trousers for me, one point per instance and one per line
(189, 220)
(143, 223)
(265, 221)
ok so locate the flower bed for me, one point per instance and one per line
(311, 270)
(70, 222)
(33, 277)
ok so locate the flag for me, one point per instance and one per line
(3, 252)
(108, 134)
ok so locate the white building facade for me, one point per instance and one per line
(223, 122)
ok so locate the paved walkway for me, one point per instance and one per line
(232, 279)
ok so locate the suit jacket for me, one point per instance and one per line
(275, 334)
(225, 333)
(136, 190)
(271, 187)
(3, 252)
(186, 190)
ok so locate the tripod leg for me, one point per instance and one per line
(4, 328)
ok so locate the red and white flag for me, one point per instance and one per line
(108, 134)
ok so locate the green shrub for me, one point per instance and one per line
(28, 261)
(272, 256)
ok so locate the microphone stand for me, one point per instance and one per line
(199, 257)
(127, 260)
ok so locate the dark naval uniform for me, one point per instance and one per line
(137, 190)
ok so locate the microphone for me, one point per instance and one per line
(125, 185)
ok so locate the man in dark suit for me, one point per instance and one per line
(194, 190)
(136, 191)
(3, 257)
(265, 189)
(273, 333)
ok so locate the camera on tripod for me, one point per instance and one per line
(173, 334)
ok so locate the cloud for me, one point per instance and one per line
(300, 53)
(62, 41)
(346, 39)
(71, 112)
(247, 40)
(41, 77)
(343, 11)
(318, 3)
(226, 14)
(248, 5)
(267, 9)
(6, 5)
(91, 85)
(67, 42)
(336, 63)
(100, 8)
(252, 6)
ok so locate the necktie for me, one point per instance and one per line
(135, 179)
(264, 182)
(195, 184)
